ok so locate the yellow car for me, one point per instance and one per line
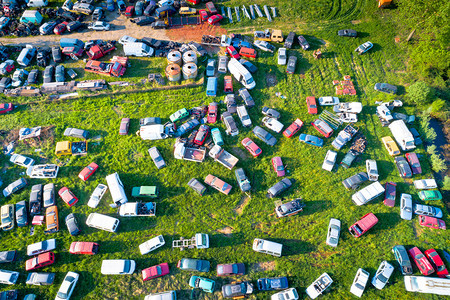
(7, 217)
(391, 146)
(187, 11)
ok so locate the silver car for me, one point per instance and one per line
(222, 67)
(384, 271)
(97, 195)
(157, 158)
(406, 207)
(14, 187)
(49, 194)
(334, 230)
(21, 160)
(282, 56)
(427, 210)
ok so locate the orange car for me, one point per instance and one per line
(218, 184)
(51, 219)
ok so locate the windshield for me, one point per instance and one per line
(250, 80)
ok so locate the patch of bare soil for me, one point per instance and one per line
(356, 22)
(117, 110)
(241, 205)
(271, 80)
(240, 153)
(194, 32)
(227, 230)
(263, 266)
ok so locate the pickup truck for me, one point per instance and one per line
(71, 148)
(100, 50)
(344, 136)
(115, 69)
(181, 151)
(223, 157)
(137, 209)
(199, 241)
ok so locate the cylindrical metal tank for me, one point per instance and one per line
(173, 72)
(190, 57)
(174, 57)
(189, 71)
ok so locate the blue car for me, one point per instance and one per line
(139, 8)
(187, 126)
(268, 284)
(310, 139)
(110, 5)
(205, 284)
(217, 136)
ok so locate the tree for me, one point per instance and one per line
(420, 93)
(446, 184)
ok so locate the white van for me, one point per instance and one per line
(152, 244)
(26, 55)
(170, 295)
(152, 132)
(243, 115)
(8, 277)
(267, 247)
(137, 49)
(102, 222)
(116, 189)
(118, 266)
(37, 3)
(241, 73)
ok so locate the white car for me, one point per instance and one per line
(425, 184)
(406, 208)
(41, 247)
(384, 112)
(263, 45)
(273, 124)
(165, 2)
(99, 26)
(18, 77)
(67, 286)
(21, 160)
(328, 101)
(282, 56)
(152, 244)
(319, 286)
(118, 267)
(334, 230)
(97, 195)
(243, 116)
(360, 282)
(372, 169)
(348, 117)
(330, 160)
(289, 294)
(225, 41)
(127, 39)
(348, 107)
(382, 276)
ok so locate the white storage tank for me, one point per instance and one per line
(174, 57)
(189, 71)
(173, 72)
(189, 57)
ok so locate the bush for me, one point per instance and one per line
(420, 93)
(437, 106)
(437, 163)
(430, 133)
(446, 184)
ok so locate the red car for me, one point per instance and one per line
(414, 162)
(213, 109)
(278, 166)
(88, 171)
(322, 127)
(88, 248)
(228, 84)
(214, 19)
(431, 222)
(6, 108)
(233, 53)
(251, 147)
(40, 261)
(203, 15)
(293, 128)
(312, 105)
(436, 260)
(421, 261)
(73, 50)
(202, 134)
(129, 12)
(124, 125)
(155, 271)
(60, 28)
(389, 194)
(68, 196)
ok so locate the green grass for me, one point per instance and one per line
(181, 212)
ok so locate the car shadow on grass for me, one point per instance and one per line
(293, 247)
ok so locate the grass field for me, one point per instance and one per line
(234, 221)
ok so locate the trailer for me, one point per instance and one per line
(181, 21)
(223, 157)
(210, 40)
(199, 241)
(427, 285)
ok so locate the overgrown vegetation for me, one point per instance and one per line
(233, 222)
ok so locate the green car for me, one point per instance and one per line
(205, 284)
(179, 114)
(430, 195)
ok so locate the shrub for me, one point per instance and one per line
(437, 106)
(430, 133)
(446, 184)
(420, 93)
(437, 163)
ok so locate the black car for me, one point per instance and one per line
(21, 213)
(35, 200)
(289, 41)
(385, 88)
(403, 167)
(348, 32)
(72, 225)
(42, 57)
(142, 21)
(354, 181)
(149, 9)
(57, 54)
(98, 14)
(5, 83)
(248, 65)
(292, 62)
(33, 76)
(74, 26)
(67, 15)
(245, 95)
(197, 186)
(159, 25)
(279, 187)
(49, 72)
(9, 295)
(7, 256)
(303, 42)
(151, 42)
